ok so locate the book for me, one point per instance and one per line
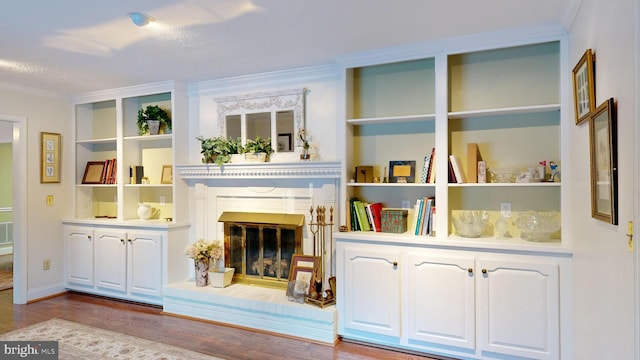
(457, 169)
(473, 156)
(416, 230)
(452, 175)
(363, 221)
(353, 215)
(376, 209)
(414, 217)
(135, 174)
(424, 178)
(432, 167)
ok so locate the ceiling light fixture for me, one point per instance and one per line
(140, 19)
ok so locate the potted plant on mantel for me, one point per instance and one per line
(152, 119)
(258, 150)
(219, 149)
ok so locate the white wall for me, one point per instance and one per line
(603, 288)
(44, 237)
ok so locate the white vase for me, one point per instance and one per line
(221, 279)
(154, 126)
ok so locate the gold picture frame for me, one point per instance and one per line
(604, 163)
(50, 157)
(167, 174)
(584, 93)
(94, 172)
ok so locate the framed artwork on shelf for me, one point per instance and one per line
(50, 157)
(584, 94)
(402, 171)
(167, 174)
(284, 142)
(93, 172)
(604, 163)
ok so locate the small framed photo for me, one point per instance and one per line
(584, 94)
(303, 261)
(604, 163)
(302, 277)
(402, 171)
(284, 142)
(50, 157)
(93, 172)
(167, 174)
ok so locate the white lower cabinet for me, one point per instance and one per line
(78, 256)
(463, 303)
(131, 263)
(374, 301)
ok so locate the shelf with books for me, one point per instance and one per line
(108, 129)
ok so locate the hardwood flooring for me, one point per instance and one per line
(150, 323)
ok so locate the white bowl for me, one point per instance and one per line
(538, 225)
(471, 223)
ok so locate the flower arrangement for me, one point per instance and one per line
(305, 144)
(201, 250)
(303, 136)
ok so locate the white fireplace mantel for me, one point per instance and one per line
(268, 170)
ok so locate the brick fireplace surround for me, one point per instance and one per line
(290, 188)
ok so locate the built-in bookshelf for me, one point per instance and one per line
(505, 100)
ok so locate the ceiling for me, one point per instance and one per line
(69, 47)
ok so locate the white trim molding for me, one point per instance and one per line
(294, 170)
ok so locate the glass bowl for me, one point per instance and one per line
(538, 225)
(503, 175)
(471, 223)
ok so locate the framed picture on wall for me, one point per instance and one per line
(604, 163)
(584, 94)
(50, 157)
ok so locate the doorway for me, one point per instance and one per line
(6, 206)
(15, 127)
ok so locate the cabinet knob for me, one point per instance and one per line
(484, 271)
(470, 270)
(122, 241)
(395, 264)
(89, 237)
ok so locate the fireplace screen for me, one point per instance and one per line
(260, 246)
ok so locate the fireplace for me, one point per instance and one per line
(260, 246)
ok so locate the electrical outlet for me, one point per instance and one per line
(46, 264)
(406, 204)
(505, 209)
(162, 200)
(49, 200)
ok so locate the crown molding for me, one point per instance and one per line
(283, 78)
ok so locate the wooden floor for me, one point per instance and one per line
(148, 322)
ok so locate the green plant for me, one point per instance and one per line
(152, 112)
(258, 146)
(218, 150)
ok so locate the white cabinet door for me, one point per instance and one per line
(111, 259)
(372, 290)
(145, 264)
(441, 300)
(78, 255)
(518, 308)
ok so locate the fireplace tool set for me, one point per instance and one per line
(322, 294)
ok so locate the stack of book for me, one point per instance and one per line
(109, 171)
(365, 216)
(423, 216)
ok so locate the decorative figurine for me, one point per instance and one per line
(554, 171)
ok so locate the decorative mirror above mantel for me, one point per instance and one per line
(277, 115)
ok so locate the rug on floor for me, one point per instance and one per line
(77, 341)
(6, 280)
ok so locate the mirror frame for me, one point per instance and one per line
(274, 101)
